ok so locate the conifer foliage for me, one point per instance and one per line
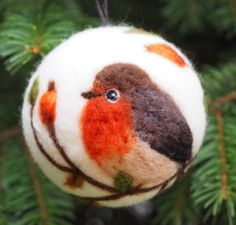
(205, 30)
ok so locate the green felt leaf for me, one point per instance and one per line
(34, 92)
(123, 181)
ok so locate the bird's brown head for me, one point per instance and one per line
(124, 105)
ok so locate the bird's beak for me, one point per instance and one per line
(90, 94)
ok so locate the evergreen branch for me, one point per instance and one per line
(175, 206)
(2, 5)
(223, 17)
(37, 187)
(185, 16)
(37, 29)
(9, 133)
(233, 8)
(39, 202)
(2, 216)
(218, 114)
(224, 176)
(227, 98)
(29, 32)
(219, 81)
(214, 178)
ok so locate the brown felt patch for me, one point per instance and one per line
(74, 181)
(156, 118)
(167, 52)
(95, 203)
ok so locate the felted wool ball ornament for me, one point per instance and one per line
(114, 115)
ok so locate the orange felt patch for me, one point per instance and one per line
(107, 128)
(167, 52)
(47, 105)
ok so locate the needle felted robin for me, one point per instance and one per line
(131, 125)
(114, 115)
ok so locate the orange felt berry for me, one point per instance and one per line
(167, 52)
(47, 105)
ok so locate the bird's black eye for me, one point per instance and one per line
(112, 96)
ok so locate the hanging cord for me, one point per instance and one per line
(103, 11)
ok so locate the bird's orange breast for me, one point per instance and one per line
(107, 129)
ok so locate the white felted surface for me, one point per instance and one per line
(73, 66)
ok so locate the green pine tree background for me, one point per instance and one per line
(204, 29)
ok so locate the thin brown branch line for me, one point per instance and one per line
(75, 170)
(100, 185)
(86, 177)
(227, 98)
(134, 191)
(43, 151)
(37, 187)
(52, 134)
(9, 133)
(224, 176)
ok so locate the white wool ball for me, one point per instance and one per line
(114, 115)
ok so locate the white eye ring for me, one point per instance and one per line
(112, 96)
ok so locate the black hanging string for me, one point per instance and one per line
(103, 11)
